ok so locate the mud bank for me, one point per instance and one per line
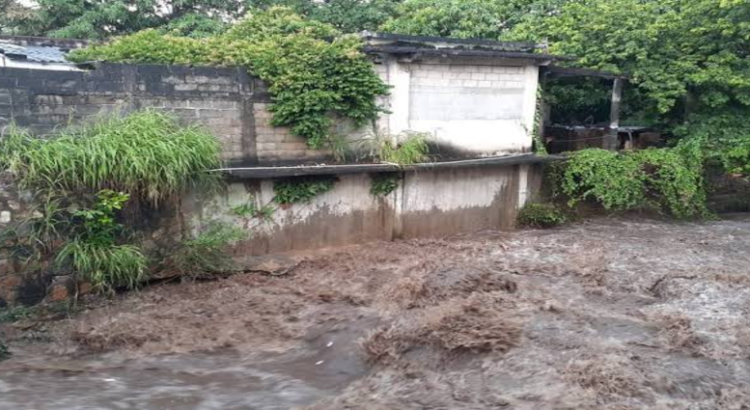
(611, 313)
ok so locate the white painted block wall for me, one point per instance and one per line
(479, 109)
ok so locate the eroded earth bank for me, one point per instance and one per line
(605, 314)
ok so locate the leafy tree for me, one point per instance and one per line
(99, 19)
(489, 19)
(683, 55)
(450, 18)
(351, 16)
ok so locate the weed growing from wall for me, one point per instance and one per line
(408, 151)
(383, 185)
(302, 189)
(312, 70)
(252, 210)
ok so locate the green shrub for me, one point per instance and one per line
(206, 253)
(313, 72)
(301, 189)
(669, 180)
(384, 184)
(146, 154)
(536, 215)
(106, 266)
(16, 313)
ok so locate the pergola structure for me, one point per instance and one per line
(618, 81)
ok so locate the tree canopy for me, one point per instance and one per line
(684, 56)
(101, 19)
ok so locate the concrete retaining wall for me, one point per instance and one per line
(432, 203)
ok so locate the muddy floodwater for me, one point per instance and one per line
(619, 313)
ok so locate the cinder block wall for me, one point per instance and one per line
(478, 108)
(231, 104)
(219, 98)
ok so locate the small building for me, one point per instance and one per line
(37, 53)
(473, 97)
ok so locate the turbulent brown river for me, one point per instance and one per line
(620, 313)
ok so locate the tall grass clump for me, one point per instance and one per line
(411, 150)
(106, 266)
(206, 253)
(84, 177)
(146, 154)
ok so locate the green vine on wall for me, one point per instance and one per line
(314, 73)
(669, 180)
(384, 184)
(539, 146)
(302, 189)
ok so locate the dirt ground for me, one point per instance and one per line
(605, 314)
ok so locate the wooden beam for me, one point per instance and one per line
(611, 142)
(557, 71)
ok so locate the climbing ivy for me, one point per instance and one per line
(314, 73)
(383, 184)
(301, 190)
(669, 180)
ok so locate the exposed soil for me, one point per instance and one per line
(604, 314)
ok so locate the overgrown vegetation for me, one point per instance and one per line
(314, 73)
(252, 210)
(145, 154)
(84, 177)
(301, 190)
(541, 216)
(667, 180)
(106, 266)
(384, 184)
(407, 150)
(206, 253)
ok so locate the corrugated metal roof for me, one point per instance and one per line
(37, 54)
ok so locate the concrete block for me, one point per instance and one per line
(266, 146)
(186, 87)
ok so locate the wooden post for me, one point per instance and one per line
(611, 142)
